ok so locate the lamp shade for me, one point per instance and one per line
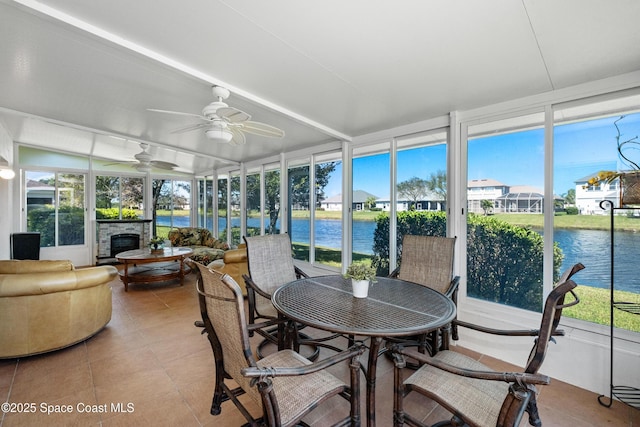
(7, 173)
(219, 134)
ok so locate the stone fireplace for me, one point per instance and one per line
(116, 236)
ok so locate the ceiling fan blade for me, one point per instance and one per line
(191, 127)
(177, 113)
(232, 115)
(261, 129)
(163, 165)
(238, 136)
(123, 162)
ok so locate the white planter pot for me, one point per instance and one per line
(360, 288)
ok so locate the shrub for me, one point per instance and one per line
(114, 213)
(70, 224)
(571, 210)
(504, 261)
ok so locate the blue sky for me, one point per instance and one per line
(514, 159)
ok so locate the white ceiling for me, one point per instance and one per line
(320, 70)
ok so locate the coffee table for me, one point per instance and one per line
(143, 266)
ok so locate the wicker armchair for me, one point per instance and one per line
(271, 266)
(286, 385)
(476, 395)
(428, 261)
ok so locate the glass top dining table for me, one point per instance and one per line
(393, 308)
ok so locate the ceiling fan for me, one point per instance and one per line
(144, 161)
(222, 123)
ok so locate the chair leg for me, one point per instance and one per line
(218, 391)
(398, 395)
(532, 410)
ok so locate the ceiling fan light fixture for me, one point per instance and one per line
(7, 173)
(143, 167)
(219, 135)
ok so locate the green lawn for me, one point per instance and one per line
(593, 222)
(594, 307)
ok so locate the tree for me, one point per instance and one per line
(413, 189)
(323, 174)
(437, 183)
(370, 202)
(486, 206)
(132, 195)
(106, 190)
(157, 190)
(570, 196)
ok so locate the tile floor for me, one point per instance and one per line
(151, 366)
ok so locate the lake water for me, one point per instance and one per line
(591, 247)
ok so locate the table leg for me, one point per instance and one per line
(374, 350)
(181, 271)
(125, 278)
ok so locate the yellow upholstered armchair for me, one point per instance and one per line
(48, 305)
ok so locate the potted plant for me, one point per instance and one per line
(362, 275)
(630, 177)
(156, 244)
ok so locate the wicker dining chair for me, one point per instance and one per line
(284, 384)
(476, 395)
(428, 261)
(270, 262)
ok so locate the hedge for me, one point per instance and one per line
(504, 261)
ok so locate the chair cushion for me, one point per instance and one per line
(298, 394)
(477, 399)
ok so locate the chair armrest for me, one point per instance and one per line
(270, 372)
(252, 287)
(505, 332)
(453, 287)
(509, 377)
(394, 273)
(300, 274)
(251, 327)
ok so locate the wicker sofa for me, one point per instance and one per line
(49, 305)
(206, 248)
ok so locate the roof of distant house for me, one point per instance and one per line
(359, 196)
(31, 183)
(484, 182)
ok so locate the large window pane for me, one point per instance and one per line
(40, 201)
(223, 189)
(205, 203)
(272, 201)
(71, 210)
(585, 144)
(371, 176)
(119, 197)
(327, 242)
(299, 210)
(171, 205)
(421, 187)
(253, 204)
(56, 207)
(235, 210)
(505, 194)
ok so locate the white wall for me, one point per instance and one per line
(581, 357)
(6, 195)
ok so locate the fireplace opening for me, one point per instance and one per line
(124, 242)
